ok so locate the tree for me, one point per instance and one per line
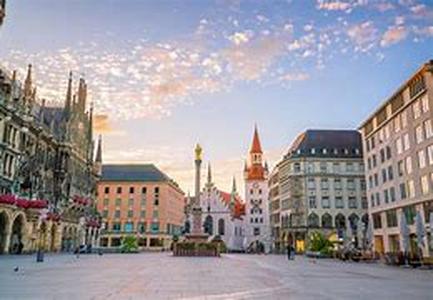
(129, 245)
(319, 243)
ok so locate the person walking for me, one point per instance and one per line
(292, 251)
(289, 252)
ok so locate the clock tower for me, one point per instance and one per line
(257, 227)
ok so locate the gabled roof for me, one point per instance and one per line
(338, 143)
(130, 172)
(239, 205)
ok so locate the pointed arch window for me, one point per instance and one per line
(221, 227)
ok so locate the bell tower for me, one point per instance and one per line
(257, 229)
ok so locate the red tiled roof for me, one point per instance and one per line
(239, 205)
(256, 147)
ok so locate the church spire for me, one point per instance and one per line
(28, 91)
(98, 159)
(82, 95)
(234, 190)
(209, 174)
(90, 129)
(68, 100)
(256, 146)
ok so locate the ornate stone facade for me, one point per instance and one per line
(46, 157)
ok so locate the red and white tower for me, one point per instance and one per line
(257, 229)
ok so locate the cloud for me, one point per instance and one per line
(333, 5)
(393, 35)
(294, 77)
(240, 37)
(364, 35)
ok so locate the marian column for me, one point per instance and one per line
(197, 228)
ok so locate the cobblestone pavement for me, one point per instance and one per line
(161, 276)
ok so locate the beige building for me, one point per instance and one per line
(319, 186)
(398, 147)
(139, 200)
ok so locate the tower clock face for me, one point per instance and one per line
(255, 185)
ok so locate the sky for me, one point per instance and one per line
(164, 75)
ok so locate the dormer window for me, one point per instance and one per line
(324, 151)
(313, 151)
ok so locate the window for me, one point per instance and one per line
(430, 154)
(256, 231)
(376, 179)
(156, 202)
(390, 173)
(130, 213)
(221, 227)
(411, 189)
(131, 190)
(107, 190)
(339, 203)
(388, 152)
(310, 167)
(419, 134)
(312, 202)
(403, 119)
(399, 146)
(117, 214)
(105, 213)
(384, 175)
(369, 163)
(351, 184)
(143, 190)
(421, 159)
(382, 155)
(156, 190)
(406, 143)
(324, 184)
(400, 168)
(349, 167)
(377, 199)
(143, 214)
(386, 196)
(370, 182)
(325, 202)
(352, 202)
(391, 218)
(106, 201)
(141, 227)
(409, 212)
(119, 190)
(364, 203)
(372, 200)
(118, 201)
(337, 184)
(336, 167)
(154, 227)
(416, 110)
(374, 161)
(129, 227)
(130, 202)
(424, 185)
(116, 226)
(428, 129)
(403, 192)
(323, 167)
(392, 194)
(397, 124)
(311, 184)
(297, 167)
(143, 202)
(408, 165)
(377, 221)
(155, 214)
(425, 104)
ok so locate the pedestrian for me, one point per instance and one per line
(289, 252)
(292, 251)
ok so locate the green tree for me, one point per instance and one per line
(319, 243)
(129, 244)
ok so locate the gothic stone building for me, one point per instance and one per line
(47, 172)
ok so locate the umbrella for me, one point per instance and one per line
(420, 230)
(404, 231)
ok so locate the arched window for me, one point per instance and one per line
(221, 227)
(340, 221)
(313, 220)
(327, 221)
(354, 221)
(208, 225)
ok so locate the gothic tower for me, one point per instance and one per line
(257, 227)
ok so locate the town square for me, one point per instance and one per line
(216, 149)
